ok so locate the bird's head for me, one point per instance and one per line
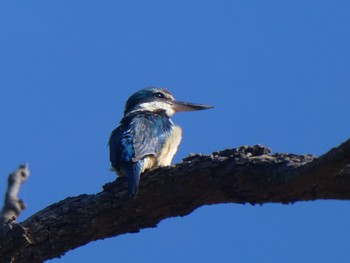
(158, 99)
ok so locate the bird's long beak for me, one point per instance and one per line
(180, 106)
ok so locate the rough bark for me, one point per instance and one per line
(242, 175)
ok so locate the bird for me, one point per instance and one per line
(146, 137)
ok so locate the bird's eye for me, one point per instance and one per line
(159, 95)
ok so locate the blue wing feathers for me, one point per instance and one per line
(136, 137)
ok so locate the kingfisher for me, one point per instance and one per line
(146, 136)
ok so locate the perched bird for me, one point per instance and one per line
(146, 137)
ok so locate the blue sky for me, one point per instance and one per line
(277, 73)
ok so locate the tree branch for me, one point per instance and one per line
(245, 174)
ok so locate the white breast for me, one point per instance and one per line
(169, 149)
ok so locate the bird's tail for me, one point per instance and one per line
(134, 178)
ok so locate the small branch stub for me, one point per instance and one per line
(13, 206)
